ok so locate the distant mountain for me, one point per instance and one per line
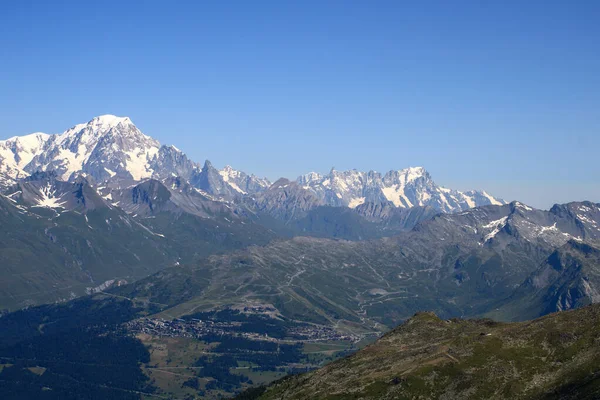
(49, 253)
(17, 152)
(243, 182)
(104, 148)
(109, 166)
(286, 200)
(110, 148)
(511, 260)
(569, 278)
(467, 263)
(406, 188)
(555, 357)
(113, 150)
(63, 239)
(43, 189)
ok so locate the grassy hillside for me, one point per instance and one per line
(556, 356)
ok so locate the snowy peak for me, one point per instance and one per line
(18, 151)
(407, 175)
(29, 143)
(309, 178)
(171, 162)
(109, 121)
(403, 188)
(112, 149)
(105, 147)
(496, 225)
(242, 182)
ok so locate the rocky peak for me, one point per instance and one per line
(404, 188)
(105, 147)
(46, 190)
(242, 182)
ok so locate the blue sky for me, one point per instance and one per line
(502, 96)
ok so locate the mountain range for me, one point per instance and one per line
(107, 167)
(70, 190)
(105, 230)
(482, 261)
(110, 149)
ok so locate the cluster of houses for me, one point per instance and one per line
(197, 328)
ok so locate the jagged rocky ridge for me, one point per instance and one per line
(109, 164)
(112, 151)
(405, 188)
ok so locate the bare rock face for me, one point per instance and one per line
(286, 200)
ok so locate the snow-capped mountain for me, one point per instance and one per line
(111, 151)
(563, 222)
(105, 147)
(243, 182)
(171, 162)
(406, 188)
(17, 152)
(110, 148)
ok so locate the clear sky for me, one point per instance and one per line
(495, 95)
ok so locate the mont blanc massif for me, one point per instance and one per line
(130, 271)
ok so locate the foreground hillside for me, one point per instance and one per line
(556, 356)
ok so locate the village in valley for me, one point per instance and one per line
(198, 328)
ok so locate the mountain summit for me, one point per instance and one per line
(112, 149)
(405, 188)
(103, 148)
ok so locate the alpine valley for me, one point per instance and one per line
(103, 204)
(130, 271)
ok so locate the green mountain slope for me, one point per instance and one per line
(47, 256)
(82, 244)
(556, 356)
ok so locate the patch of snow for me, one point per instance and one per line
(356, 201)
(496, 226)
(469, 200)
(228, 174)
(49, 199)
(424, 196)
(236, 187)
(521, 205)
(548, 228)
(396, 195)
(137, 163)
(492, 200)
